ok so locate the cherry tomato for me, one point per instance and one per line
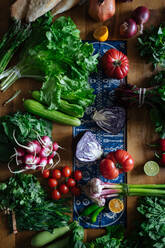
(46, 173)
(56, 174)
(63, 189)
(52, 182)
(75, 191)
(66, 171)
(71, 182)
(78, 175)
(108, 169)
(56, 194)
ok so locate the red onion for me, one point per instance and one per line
(128, 28)
(141, 15)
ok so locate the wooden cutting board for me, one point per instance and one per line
(139, 128)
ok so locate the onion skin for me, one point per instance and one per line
(101, 10)
(141, 15)
(128, 28)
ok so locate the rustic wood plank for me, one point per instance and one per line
(139, 129)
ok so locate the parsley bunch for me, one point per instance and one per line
(151, 45)
(23, 195)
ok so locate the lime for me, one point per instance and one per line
(151, 168)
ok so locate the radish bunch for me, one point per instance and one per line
(37, 154)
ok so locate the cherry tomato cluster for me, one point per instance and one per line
(68, 185)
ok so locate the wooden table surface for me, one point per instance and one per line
(139, 128)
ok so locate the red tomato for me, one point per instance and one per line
(56, 174)
(75, 191)
(115, 64)
(46, 173)
(52, 182)
(108, 169)
(71, 182)
(63, 189)
(123, 159)
(66, 171)
(162, 161)
(78, 175)
(162, 144)
(56, 194)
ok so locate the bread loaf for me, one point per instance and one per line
(38, 8)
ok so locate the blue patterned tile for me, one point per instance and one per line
(104, 90)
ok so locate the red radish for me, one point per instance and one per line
(141, 15)
(55, 146)
(37, 160)
(43, 161)
(33, 147)
(52, 155)
(46, 141)
(50, 161)
(128, 28)
(20, 152)
(45, 152)
(29, 159)
(30, 167)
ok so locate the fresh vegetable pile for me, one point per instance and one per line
(55, 54)
(20, 127)
(23, 196)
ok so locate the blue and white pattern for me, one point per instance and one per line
(104, 90)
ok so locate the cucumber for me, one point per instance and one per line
(37, 108)
(63, 243)
(46, 237)
(65, 107)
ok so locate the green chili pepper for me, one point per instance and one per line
(95, 214)
(89, 210)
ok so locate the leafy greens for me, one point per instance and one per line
(27, 127)
(151, 45)
(62, 61)
(24, 195)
